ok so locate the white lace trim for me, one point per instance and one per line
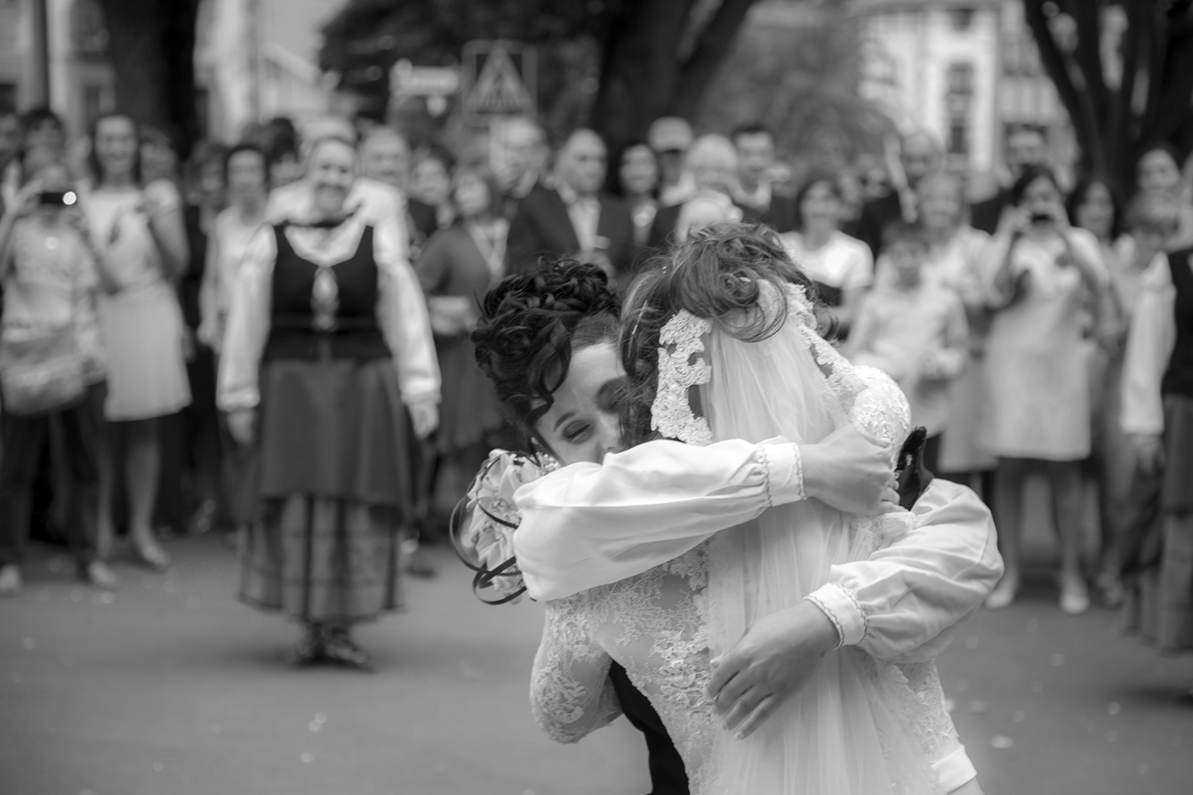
(671, 412)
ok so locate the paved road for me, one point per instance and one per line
(170, 687)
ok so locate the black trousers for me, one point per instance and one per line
(22, 440)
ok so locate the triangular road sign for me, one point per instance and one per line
(499, 88)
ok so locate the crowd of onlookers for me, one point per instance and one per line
(1005, 321)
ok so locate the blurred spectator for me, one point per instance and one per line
(203, 180)
(430, 184)
(840, 265)
(711, 165)
(376, 202)
(10, 147)
(140, 229)
(753, 191)
(246, 177)
(1038, 418)
(385, 157)
(704, 208)
(853, 196)
(1158, 418)
(913, 329)
(920, 154)
(328, 354)
(574, 218)
(280, 141)
(1026, 146)
(51, 273)
(872, 175)
(456, 270)
(39, 128)
(1091, 206)
(957, 254)
(1158, 170)
(634, 179)
(670, 137)
(159, 155)
(519, 165)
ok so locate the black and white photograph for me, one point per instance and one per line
(596, 397)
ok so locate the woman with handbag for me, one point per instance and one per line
(139, 228)
(51, 362)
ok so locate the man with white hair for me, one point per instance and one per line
(574, 218)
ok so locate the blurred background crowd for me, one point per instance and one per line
(980, 191)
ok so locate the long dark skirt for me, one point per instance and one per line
(1158, 549)
(334, 482)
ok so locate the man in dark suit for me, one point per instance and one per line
(755, 145)
(574, 218)
(920, 155)
(1026, 146)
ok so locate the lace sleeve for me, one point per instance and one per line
(571, 695)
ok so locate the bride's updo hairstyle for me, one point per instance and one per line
(719, 273)
(529, 327)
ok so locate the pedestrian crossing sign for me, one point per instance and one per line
(499, 79)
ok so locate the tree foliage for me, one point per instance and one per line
(798, 75)
(1116, 113)
(650, 57)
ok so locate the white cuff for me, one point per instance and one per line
(955, 770)
(843, 610)
(784, 473)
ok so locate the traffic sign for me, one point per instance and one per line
(499, 80)
(408, 80)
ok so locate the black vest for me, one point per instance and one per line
(1178, 378)
(667, 773)
(293, 333)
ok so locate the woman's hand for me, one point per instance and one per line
(851, 471)
(242, 424)
(778, 654)
(424, 416)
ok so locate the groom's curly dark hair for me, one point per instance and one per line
(529, 327)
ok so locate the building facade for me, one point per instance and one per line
(965, 70)
(249, 58)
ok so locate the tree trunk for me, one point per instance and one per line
(151, 46)
(712, 47)
(639, 68)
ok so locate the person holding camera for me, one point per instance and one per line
(51, 361)
(1047, 277)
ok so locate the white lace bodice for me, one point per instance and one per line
(656, 626)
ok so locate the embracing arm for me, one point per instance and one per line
(593, 524)
(899, 601)
(571, 694)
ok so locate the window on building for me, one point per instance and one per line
(958, 136)
(959, 79)
(961, 19)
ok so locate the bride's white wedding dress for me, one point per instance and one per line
(863, 724)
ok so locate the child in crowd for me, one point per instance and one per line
(915, 331)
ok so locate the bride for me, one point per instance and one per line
(860, 725)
